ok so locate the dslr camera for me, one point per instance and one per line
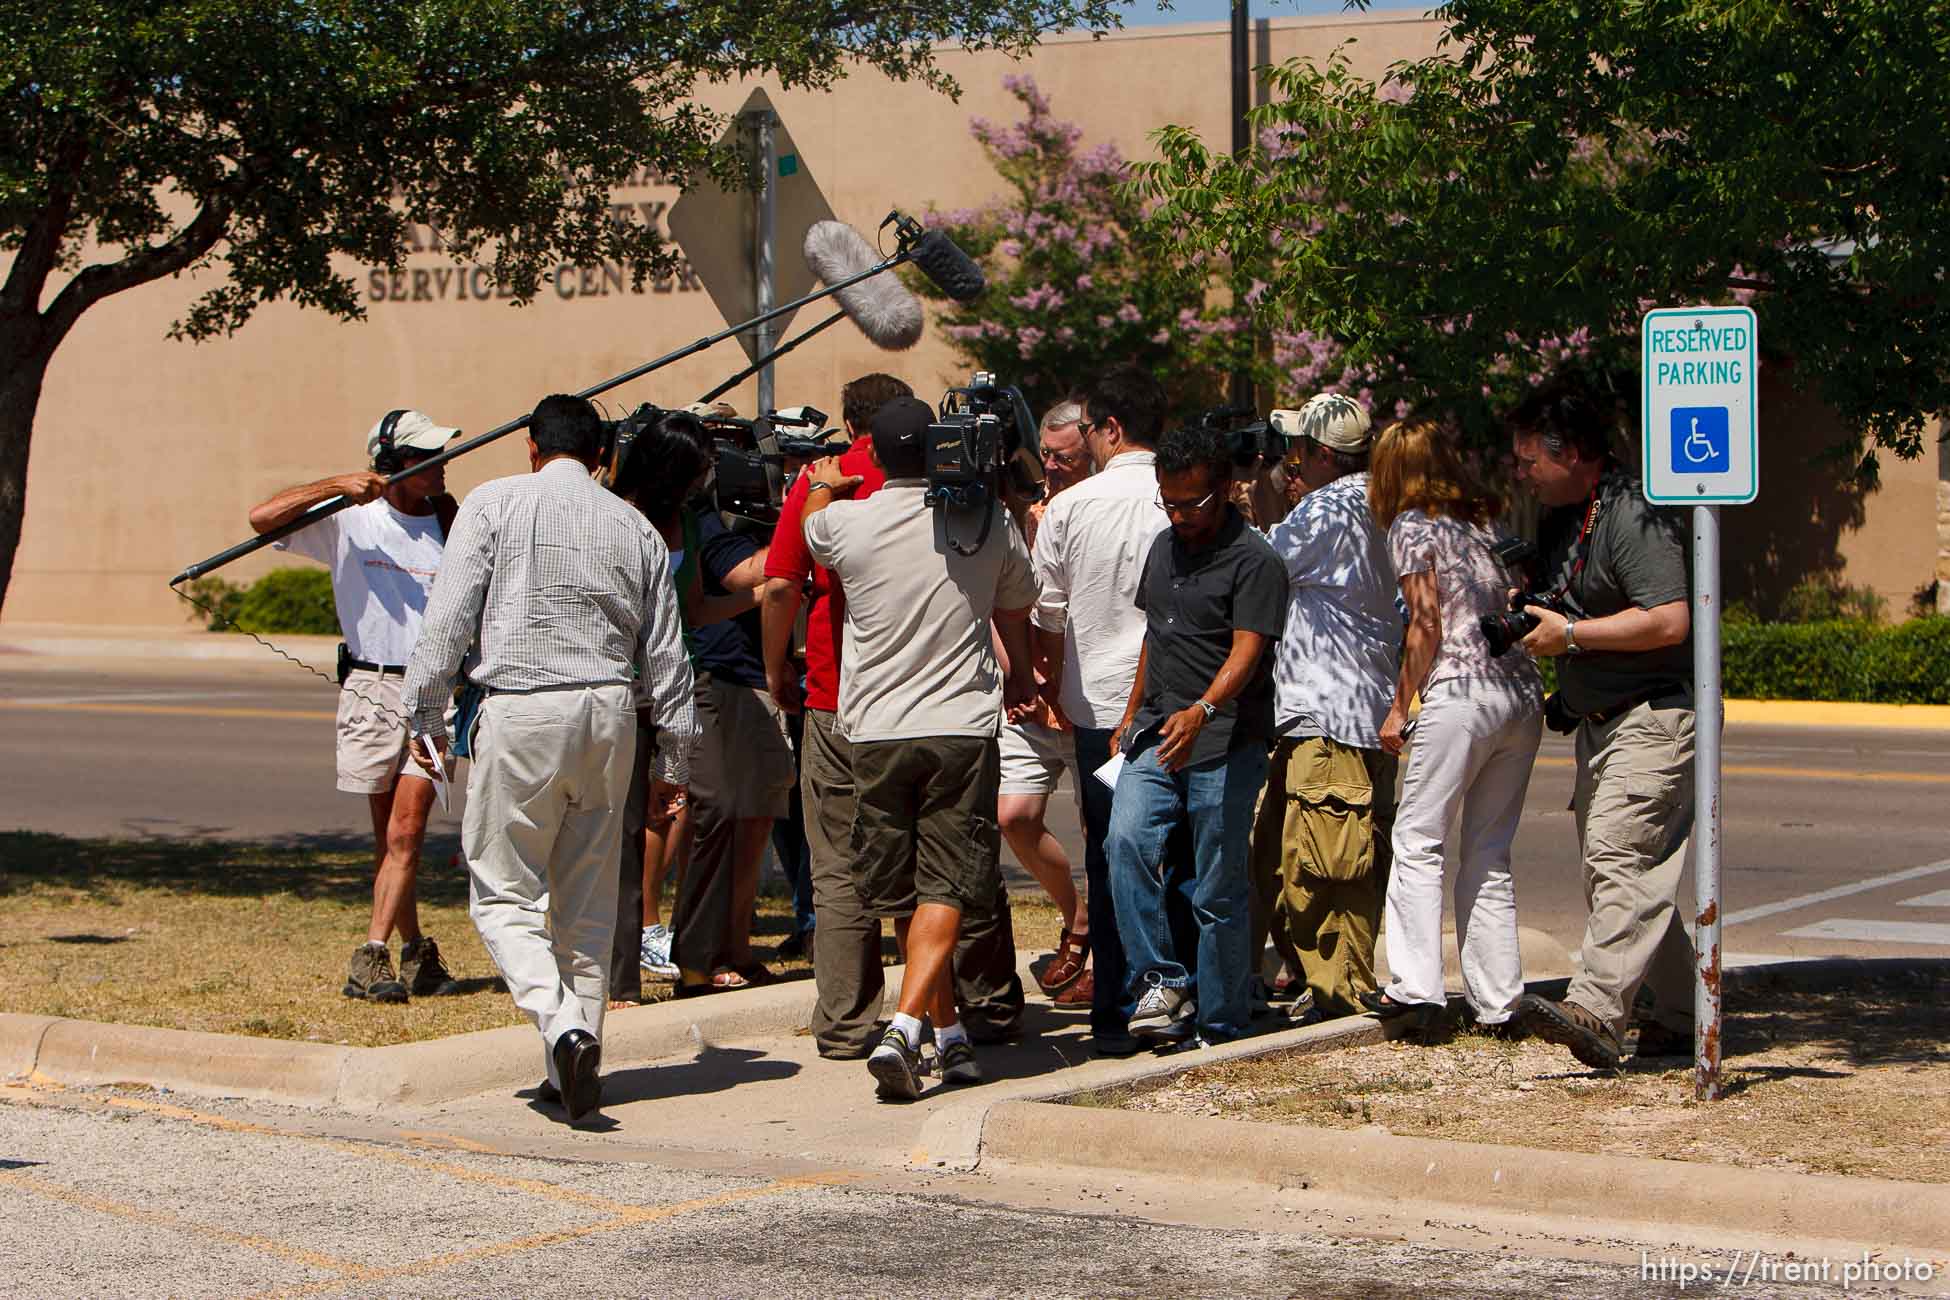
(984, 442)
(1505, 630)
(1251, 439)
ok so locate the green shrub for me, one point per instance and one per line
(1794, 661)
(1824, 598)
(1910, 663)
(216, 602)
(297, 601)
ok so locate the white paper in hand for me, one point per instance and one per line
(1109, 772)
(439, 775)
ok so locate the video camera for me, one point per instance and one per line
(752, 455)
(1252, 441)
(985, 442)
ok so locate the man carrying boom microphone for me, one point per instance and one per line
(921, 701)
(383, 553)
(566, 590)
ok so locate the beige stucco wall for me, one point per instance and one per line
(148, 453)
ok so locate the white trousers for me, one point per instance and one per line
(542, 834)
(1462, 795)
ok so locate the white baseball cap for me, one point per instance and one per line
(413, 431)
(1333, 420)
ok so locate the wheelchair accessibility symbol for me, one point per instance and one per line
(1699, 440)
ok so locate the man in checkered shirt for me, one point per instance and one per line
(565, 592)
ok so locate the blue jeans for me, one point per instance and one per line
(1215, 800)
(1111, 1003)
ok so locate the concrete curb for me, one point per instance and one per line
(1374, 1164)
(1035, 1128)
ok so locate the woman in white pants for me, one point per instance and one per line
(1475, 740)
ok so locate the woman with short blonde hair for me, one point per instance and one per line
(1475, 738)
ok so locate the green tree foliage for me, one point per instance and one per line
(1556, 168)
(1075, 279)
(264, 138)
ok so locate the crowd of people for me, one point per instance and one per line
(1272, 693)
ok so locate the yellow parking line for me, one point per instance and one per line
(350, 1272)
(168, 709)
(1803, 773)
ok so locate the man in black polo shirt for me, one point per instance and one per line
(1195, 737)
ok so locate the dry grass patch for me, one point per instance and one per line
(240, 938)
(1852, 1079)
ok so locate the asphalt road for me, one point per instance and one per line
(1835, 839)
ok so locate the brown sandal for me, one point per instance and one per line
(1066, 966)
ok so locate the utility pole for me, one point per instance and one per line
(1242, 380)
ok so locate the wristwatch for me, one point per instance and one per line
(1571, 646)
(1211, 709)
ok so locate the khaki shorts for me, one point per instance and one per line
(371, 743)
(1033, 757)
(924, 828)
(742, 762)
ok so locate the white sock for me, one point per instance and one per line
(910, 1027)
(955, 1033)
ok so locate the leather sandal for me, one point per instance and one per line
(1067, 965)
(1388, 1009)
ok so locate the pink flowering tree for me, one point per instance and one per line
(1075, 281)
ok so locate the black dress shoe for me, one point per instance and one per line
(578, 1058)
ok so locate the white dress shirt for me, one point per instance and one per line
(1334, 671)
(1090, 551)
(562, 583)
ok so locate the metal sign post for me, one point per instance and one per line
(764, 253)
(1701, 449)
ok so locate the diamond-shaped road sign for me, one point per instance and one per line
(718, 230)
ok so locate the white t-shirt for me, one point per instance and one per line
(382, 565)
(919, 660)
(1334, 672)
(1090, 551)
(1469, 583)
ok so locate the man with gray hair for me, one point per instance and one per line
(1321, 840)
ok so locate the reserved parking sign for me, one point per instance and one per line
(1701, 426)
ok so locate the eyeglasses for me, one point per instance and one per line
(1087, 427)
(1067, 459)
(1184, 507)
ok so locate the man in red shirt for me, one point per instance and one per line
(846, 938)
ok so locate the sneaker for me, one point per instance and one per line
(896, 1068)
(370, 975)
(958, 1063)
(1571, 1026)
(422, 970)
(1656, 1039)
(655, 954)
(1163, 1012)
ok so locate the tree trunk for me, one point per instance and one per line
(23, 369)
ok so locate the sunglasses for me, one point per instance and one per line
(1186, 508)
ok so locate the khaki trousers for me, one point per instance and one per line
(1634, 806)
(1321, 855)
(542, 833)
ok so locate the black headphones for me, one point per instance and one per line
(385, 456)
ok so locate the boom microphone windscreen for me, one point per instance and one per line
(880, 305)
(952, 270)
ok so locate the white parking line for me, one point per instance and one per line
(1840, 891)
(1919, 932)
(1941, 898)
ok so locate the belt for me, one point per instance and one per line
(376, 668)
(556, 686)
(1664, 698)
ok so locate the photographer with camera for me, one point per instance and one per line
(1321, 842)
(846, 949)
(383, 554)
(1615, 613)
(1476, 736)
(921, 702)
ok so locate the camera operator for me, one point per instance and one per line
(1321, 842)
(383, 553)
(1614, 573)
(920, 705)
(846, 950)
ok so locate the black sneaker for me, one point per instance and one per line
(1656, 1039)
(958, 1064)
(369, 975)
(423, 972)
(896, 1068)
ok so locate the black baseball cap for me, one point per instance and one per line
(900, 425)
